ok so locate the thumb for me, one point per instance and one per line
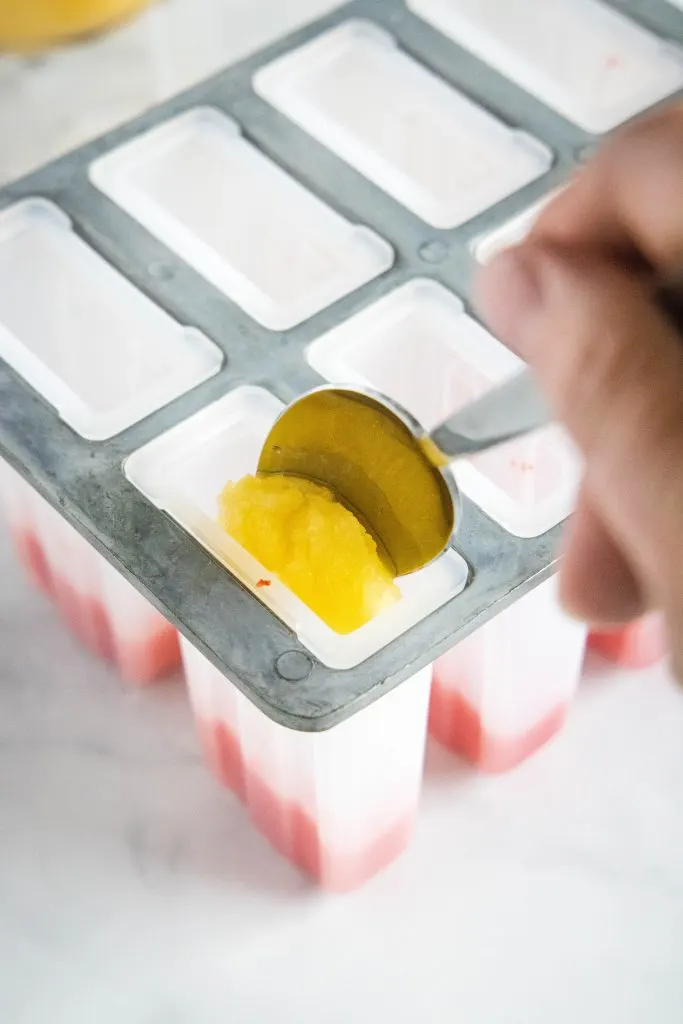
(611, 365)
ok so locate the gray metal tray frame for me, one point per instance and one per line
(85, 481)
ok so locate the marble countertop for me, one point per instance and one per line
(134, 891)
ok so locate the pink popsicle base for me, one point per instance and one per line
(140, 660)
(458, 726)
(638, 645)
(290, 829)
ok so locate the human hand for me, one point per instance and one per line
(579, 300)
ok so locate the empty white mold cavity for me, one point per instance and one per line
(418, 346)
(184, 471)
(440, 155)
(239, 219)
(510, 232)
(584, 59)
(97, 349)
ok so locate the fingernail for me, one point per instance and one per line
(506, 295)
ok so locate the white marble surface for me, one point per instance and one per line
(134, 891)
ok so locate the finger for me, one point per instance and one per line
(628, 201)
(597, 584)
(612, 367)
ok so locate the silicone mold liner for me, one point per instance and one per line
(427, 145)
(251, 229)
(588, 61)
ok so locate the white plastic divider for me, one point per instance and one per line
(589, 62)
(338, 804)
(96, 348)
(419, 347)
(108, 615)
(505, 690)
(423, 142)
(262, 238)
(184, 471)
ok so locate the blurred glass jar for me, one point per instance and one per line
(31, 24)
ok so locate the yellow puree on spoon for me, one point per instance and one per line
(300, 533)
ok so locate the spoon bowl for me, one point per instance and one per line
(386, 468)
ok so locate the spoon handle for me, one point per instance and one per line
(508, 411)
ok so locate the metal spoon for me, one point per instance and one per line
(385, 468)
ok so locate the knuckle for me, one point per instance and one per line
(649, 146)
(664, 127)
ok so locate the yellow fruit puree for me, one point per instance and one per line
(26, 24)
(301, 534)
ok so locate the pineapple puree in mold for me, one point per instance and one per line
(304, 536)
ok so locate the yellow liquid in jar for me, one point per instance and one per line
(27, 24)
(302, 535)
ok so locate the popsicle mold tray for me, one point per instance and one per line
(312, 214)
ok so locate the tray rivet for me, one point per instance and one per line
(293, 666)
(586, 152)
(160, 271)
(433, 252)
